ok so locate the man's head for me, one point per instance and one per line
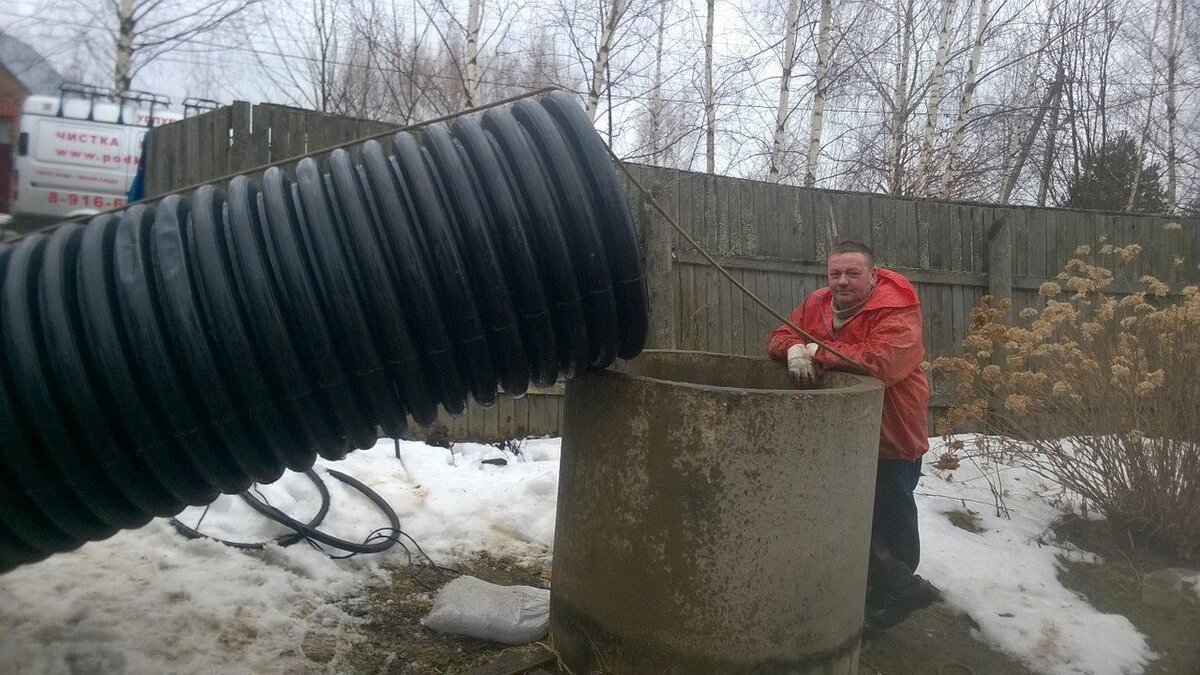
(851, 273)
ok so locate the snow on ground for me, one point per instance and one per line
(1006, 577)
(150, 601)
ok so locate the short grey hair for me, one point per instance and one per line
(850, 246)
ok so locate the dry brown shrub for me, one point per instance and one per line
(1095, 391)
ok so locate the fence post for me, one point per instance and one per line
(657, 264)
(241, 150)
(999, 259)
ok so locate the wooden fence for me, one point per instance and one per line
(237, 138)
(772, 238)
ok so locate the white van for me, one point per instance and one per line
(77, 153)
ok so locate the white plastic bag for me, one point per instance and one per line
(512, 615)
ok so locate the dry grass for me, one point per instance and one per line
(1097, 392)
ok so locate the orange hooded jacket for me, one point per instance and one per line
(884, 336)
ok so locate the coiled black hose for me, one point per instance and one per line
(161, 355)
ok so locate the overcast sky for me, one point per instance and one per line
(245, 60)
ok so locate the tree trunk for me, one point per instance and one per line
(965, 101)
(603, 50)
(1174, 16)
(1022, 153)
(1145, 133)
(785, 86)
(710, 101)
(1111, 26)
(934, 100)
(1013, 154)
(656, 99)
(148, 29)
(126, 26)
(819, 93)
(1077, 93)
(1048, 153)
(327, 35)
(904, 34)
(474, 19)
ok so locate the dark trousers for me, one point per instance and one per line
(895, 540)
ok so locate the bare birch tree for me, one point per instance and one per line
(782, 110)
(1048, 152)
(656, 92)
(1174, 13)
(1023, 143)
(144, 30)
(710, 100)
(310, 74)
(614, 12)
(933, 99)
(1144, 134)
(900, 94)
(1022, 138)
(609, 46)
(474, 19)
(966, 99)
(820, 92)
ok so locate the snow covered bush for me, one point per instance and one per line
(1099, 392)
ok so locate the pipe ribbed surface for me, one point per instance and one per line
(161, 355)
(712, 519)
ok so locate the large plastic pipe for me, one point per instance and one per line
(159, 356)
(712, 518)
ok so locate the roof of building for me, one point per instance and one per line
(28, 66)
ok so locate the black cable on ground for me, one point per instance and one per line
(416, 564)
(313, 534)
(377, 541)
(282, 540)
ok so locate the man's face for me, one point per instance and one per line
(851, 278)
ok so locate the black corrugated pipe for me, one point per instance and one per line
(156, 357)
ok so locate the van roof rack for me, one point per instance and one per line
(141, 97)
(92, 92)
(195, 106)
(81, 90)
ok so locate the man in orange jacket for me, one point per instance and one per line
(873, 316)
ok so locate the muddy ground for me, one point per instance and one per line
(1116, 586)
(394, 641)
(934, 641)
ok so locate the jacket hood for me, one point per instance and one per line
(892, 290)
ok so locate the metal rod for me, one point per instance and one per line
(855, 365)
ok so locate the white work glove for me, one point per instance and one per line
(805, 370)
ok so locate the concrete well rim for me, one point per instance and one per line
(859, 383)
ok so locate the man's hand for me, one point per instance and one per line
(806, 372)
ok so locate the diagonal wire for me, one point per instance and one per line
(855, 365)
